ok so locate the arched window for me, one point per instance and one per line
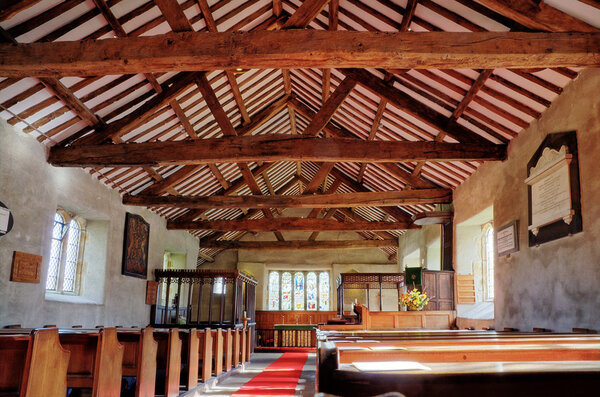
(300, 290)
(274, 291)
(66, 249)
(323, 291)
(311, 291)
(286, 291)
(488, 261)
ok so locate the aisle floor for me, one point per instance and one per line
(260, 361)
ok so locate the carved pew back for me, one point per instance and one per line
(139, 358)
(33, 364)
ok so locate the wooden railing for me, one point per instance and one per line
(286, 338)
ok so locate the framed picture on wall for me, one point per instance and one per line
(135, 246)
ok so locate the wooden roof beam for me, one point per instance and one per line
(268, 148)
(299, 244)
(286, 224)
(10, 8)
(200, 51)
(332, 200)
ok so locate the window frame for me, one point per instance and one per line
(293, 272)
(487, 252)
(68, 217)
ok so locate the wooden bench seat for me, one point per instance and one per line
(168, 362)
(96, 360)
(139, 358)
(33, 364)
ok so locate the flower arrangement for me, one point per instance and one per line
(414, 300)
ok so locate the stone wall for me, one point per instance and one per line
(32, 190)
(554, 285)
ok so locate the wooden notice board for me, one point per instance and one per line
(26, 268)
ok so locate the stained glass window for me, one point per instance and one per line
(299, 291)
(311, 291)
(274, 291)
(323, 291)
(286, 291)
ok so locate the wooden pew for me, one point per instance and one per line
(496, 364)
(244, 337)
(189, 357)
(95, 362)
(217, 337)
(33, 365)
(139, 358)
(168, 361)
(227, 350)
(236, 347)
(205, 348)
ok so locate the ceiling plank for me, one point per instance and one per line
(330, 200)
(268, 148)
(305, 14)
(299, 244)
(178, 176)
(200, 51)
(286, 224)
(537, 15)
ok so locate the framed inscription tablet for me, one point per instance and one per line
(26, 268)
(553, 189)
(507, 238)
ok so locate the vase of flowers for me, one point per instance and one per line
(414, 300)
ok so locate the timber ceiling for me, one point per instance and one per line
(306, 109)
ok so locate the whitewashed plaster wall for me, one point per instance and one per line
(554, 285)
(32, 190)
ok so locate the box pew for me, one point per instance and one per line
(205, 348)
(168, 362)
(139, 358)
(95, 362)
(217, 356)
(33, 364)
(189, 358)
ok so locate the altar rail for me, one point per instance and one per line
(286, 338)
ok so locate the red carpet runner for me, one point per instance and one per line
(278, 379)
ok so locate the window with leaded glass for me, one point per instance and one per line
(323, 291)
(66, 248)
(300, 290)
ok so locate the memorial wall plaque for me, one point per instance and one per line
(553, 188)
(26, 268)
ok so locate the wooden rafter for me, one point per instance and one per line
(333, 200)
(285, 224)
(305, 14)
(197, 51)
(299, 244)
(11, 8)
(537, 15)
(269, 148)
